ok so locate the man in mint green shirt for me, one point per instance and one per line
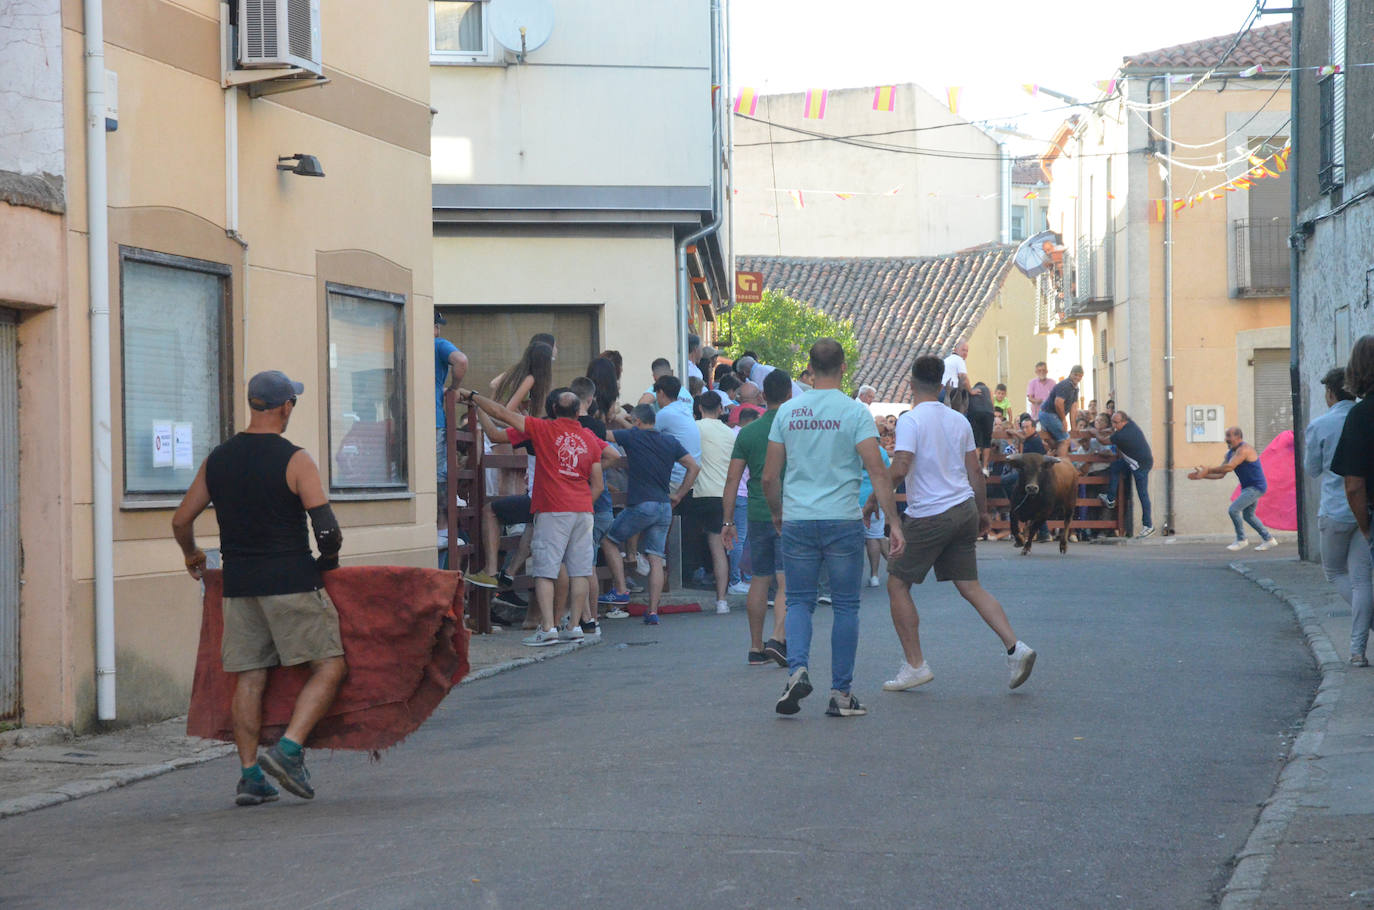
(824, 440)
(765, 546)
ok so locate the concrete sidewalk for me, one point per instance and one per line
(44, 766)
(1312, 844)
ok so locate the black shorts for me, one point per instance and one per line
(512, 510)
(981, 421)
(708, 511)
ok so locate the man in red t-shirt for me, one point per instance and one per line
(567, 480)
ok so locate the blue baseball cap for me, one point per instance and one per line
(272, 389)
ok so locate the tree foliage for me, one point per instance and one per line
(781, 330)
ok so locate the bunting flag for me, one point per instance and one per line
(1181, 78)
(815, 104)
(885, 98)
(1031, 88)
(1107, 87)
(1255, 70)
(747, 102)
(1159, 209)
(797, 199)
(844, 195)
(952, 94)
(1179, 204)
(1281, 159)
(1329, 70)
(1031, 194)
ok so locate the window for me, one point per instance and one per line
(367, 414)
(493, 338)
(1330, 134)
(174, 337)
(459, 32)
(1018, 223)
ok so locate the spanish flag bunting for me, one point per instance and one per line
(1281, 161)
(1159, 210)
(1031, 88)
(885, 98)
(1031, 194)
(894, 191)
(1107, 86)
(844, 195)
(815, 104)
(1243, 182)
(1179, 204)
(747, 101)
(952, 94)
(1215, 195)
(1256, 160)
(1329, 70)
(1111, 195)
(1181, 78)
(797, 199)
(1230, 187)
(1256, 70)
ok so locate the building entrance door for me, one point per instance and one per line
(9, 514)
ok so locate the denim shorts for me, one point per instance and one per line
(1050, 423)
(601, 524)
(650, 520)
(765, 547)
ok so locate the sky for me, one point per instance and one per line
(989, 48)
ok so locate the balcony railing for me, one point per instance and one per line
(1261, 248)
(1092, 279)
(1049, 302)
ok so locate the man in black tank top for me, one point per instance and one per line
(276, 611)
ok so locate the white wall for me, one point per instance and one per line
(31, 87)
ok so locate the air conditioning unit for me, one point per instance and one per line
(280, 34)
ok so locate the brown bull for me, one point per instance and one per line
(1046, 489)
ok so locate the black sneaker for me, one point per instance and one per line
(844, 705)
(776, 651)
(591, 629)
(511, 599)
(505, 580)
(289, 772)
(798, 687)
(759, 659)
(254, 792)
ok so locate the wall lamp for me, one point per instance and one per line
(305, 165)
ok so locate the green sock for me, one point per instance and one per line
(253, 772)
(290, 748)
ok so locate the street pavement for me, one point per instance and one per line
(1127, 772)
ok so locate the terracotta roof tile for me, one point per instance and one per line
(901, 308)
(1269, 45)
(1026, 171)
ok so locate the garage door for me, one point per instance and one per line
(9, 515)
(1273, 397)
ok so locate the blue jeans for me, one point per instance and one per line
(838, 546)
(1244, 507)
(737, 574)
(1142, 487)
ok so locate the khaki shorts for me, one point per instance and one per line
(947, 541)
(285, 629)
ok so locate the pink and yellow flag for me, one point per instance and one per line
(1031, 194)
(747, 101)
(844, 195)
(1031, 88)
(885, 98)
(1329, 70)
(952, 94)
(797, 199)
(815, 104)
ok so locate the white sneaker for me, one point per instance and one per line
(1238, 545)
(873, 581)
(739, 587)
(1269, 544)
(823, 599)
(1020, 661)
(909, 677)
(617, 613)
(641, 564)
(722, 606)
(1145, 532)
(572, 633)
(541, 638)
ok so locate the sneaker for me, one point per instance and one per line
(254, 792)
(798, 687)
(289, 772)
(759, 659)
(634, 586)
(641, 564)
(909, 677)
(823, 599)
(1269, 544)
(511, 599)
(770, 601)
(591, 630)
(481, 580)
(541, 638)
(571, 634)
(1145, 532)
(614, 597)
(739, 587)
(650, 619)
(617, 613)
(842, 704)
(1020, 661)
(873, 581)
(776, 650)
(1238, 545)
(1356, 660)
(1107, 500)
(505, 580)
(722, 606)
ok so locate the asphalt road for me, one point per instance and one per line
(1125, 773)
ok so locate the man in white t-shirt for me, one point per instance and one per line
(946, 512)
(955, 368)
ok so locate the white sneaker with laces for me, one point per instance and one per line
(1020, 661)
(1269, 544)
(1238, 545)
(617, 613)
(739, 587)
(722, 606)
(1145, 532)
(541, 638)
(909, 677)
(873, 581)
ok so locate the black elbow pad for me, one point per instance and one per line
(328, 537)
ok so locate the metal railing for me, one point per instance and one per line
(1261, 252)
(1049, 302)
(1092, 279)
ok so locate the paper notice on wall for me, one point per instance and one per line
(162, 443)
(181, 446)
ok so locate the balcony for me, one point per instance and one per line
(1093, 280)
(1261, 254)
(1050, 313)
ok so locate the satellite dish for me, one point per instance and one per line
(521, 25)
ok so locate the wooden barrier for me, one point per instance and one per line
(1094, 483)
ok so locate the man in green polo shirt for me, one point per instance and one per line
(765, 545)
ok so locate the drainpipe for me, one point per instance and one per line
(1297, 244)
(1168, 312)
(684, 286)
(1006, 195)
(98, 266)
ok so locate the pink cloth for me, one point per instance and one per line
(1278, 507)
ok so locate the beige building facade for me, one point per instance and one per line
(220, 265)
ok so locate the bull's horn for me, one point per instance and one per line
(1014, 458)
(1050, 459)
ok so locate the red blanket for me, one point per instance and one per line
(404, 642)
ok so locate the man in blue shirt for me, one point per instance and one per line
(824, 440)
(446, 357)
(1137, 460)
(1245, 462)
(675, 419)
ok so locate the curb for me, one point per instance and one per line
(122, 777)
(1254, 859)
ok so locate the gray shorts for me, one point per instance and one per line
(562, 538)
(947, 542)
